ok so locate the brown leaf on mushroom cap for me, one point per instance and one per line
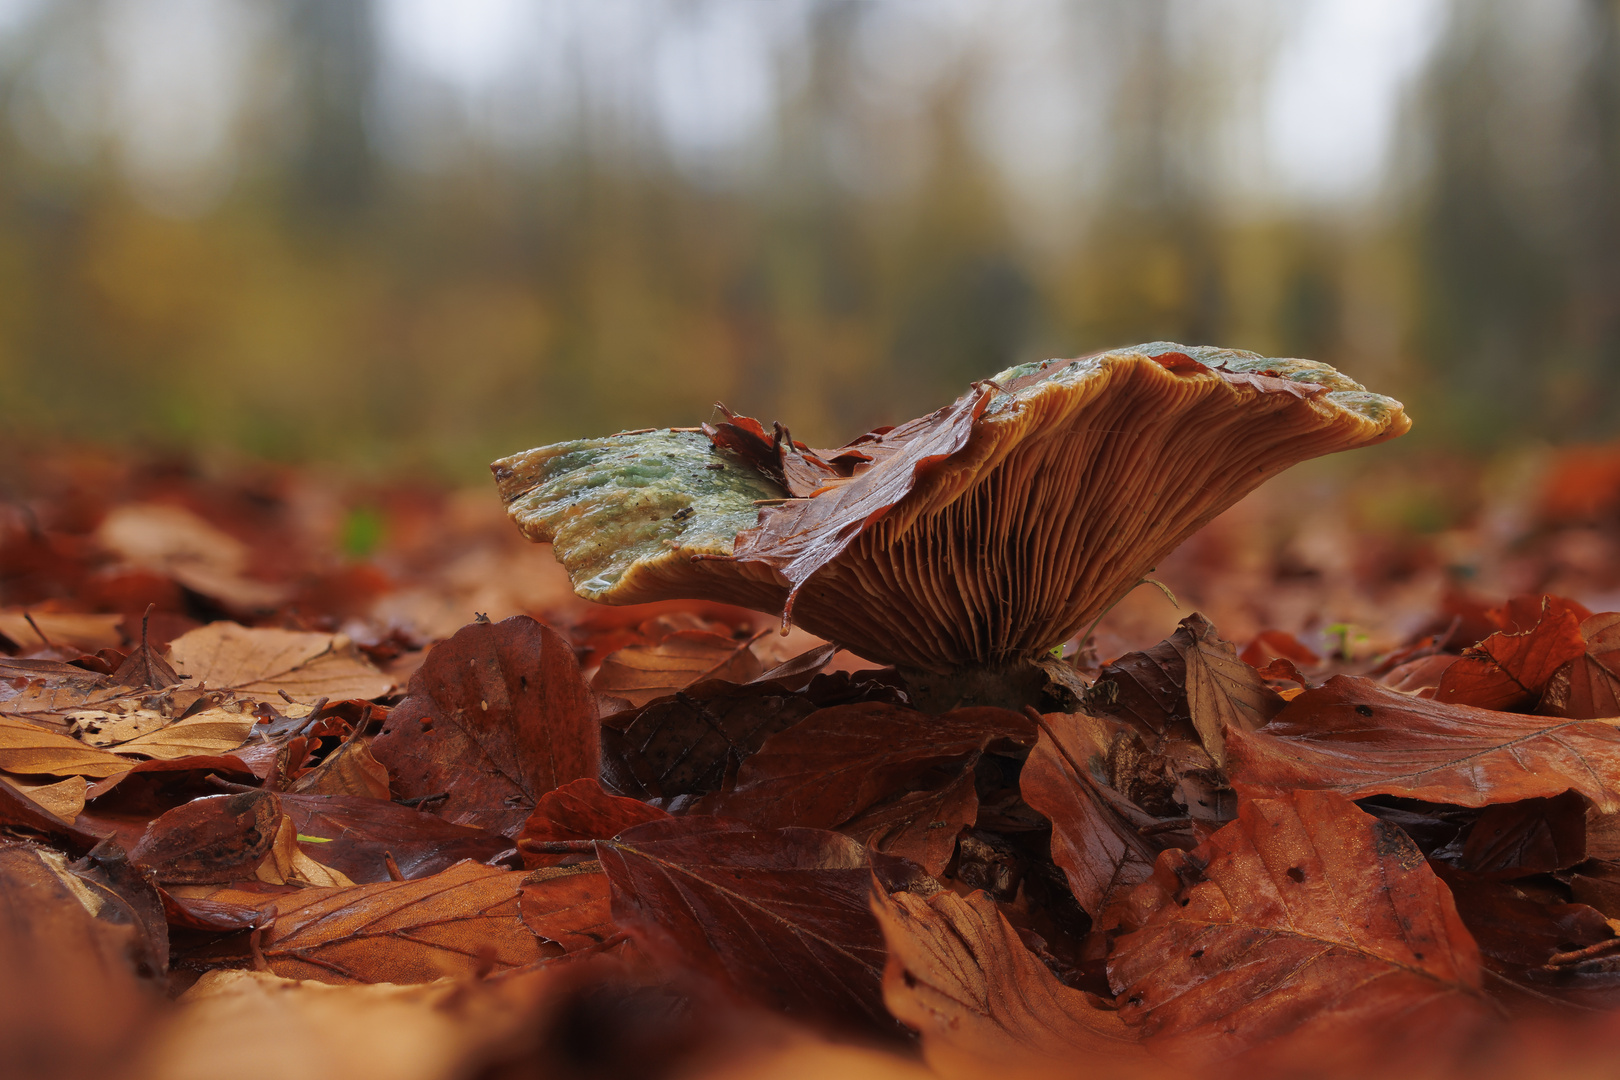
(461, 921)
(779, 915)
(496, 717)
(1355, 736)
(984, 533)
(959, 975)
(1303, 913)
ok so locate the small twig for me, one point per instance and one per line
(30, 617)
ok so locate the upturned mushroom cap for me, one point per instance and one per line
(980, 535)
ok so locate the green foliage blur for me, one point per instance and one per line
(362, 270)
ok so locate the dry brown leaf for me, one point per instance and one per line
(643, 673)
(1304, 914)
(286, 863)
(1222, 690)
(107, 728)
(259, 663)
(982, 1002)
(463, 921)
(31, 750)
(84, 632)
(351, 769)
(212, 731)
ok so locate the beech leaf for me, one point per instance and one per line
(496, 717)
(643, 673)
(1355, 736)
(958, 974)
(779, 915)
(1510, 671)
(569, 905)
(579, 811)
(459, 922)
(1301, 914)
(259, 663)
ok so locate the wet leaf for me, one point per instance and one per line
(799, 537)
(496, 717)
(780, 915)
(643, 673)
(1520, 936)
(1303, 913)
(258, 664)
(459, 922)
(1358, 737)
(1588, 687)
(958, 974)
(579, 811)
(1533, 836)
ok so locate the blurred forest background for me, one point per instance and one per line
(429, 232)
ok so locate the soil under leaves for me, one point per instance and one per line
(274, 800)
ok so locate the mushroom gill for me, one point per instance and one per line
(974, 538)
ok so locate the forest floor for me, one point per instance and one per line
(307, 775)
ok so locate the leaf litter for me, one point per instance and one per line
(301, 799)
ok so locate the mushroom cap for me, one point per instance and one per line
(982, 534)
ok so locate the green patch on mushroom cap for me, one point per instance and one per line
(631, 503)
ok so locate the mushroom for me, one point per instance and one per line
(960, 547)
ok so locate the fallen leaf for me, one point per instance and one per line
(844, 764)
(86, 633)
(569, 905)
(684, 746)
(578, 811)
(1355, 736)
(212, 731)
(360, 834)
(1588, 687)
(462, 921)
(62, 798)
(1510, 671)
(1097, 837)
(1519, 936)
(71, 1002)
(778, 915)
(220, 838)
(288, 864)
(1222, 691)
(1302, 914)
(181, 545)
(31, 750)
(958, 974)
(1277, 645)
(643, 673)
(247, 1025)
(496, 717)
(257, 664)
(1532, 836)
(351, 769)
